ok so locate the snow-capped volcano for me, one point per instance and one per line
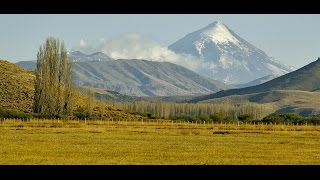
(227, 57)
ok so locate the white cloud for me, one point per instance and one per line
(82, 44)
(137, 46)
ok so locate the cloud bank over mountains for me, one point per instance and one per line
(138, 46)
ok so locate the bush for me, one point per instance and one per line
(183, 117)
(43, 116)
(137, 113)
(14, 114)
(285, 117)
(201, 118)
(218, 117)
(313, 120)
(149, 115)
(246, 117)
(81, 113)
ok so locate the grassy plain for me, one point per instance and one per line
(107, 142)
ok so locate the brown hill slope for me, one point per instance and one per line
(17, 92)
(16, 87)
(286, 101)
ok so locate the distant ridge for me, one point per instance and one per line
(303, 79)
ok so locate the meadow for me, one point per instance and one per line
(156, 142)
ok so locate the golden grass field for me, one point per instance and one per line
(106, 142)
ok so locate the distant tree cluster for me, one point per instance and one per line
(291, 118)
(199, 111)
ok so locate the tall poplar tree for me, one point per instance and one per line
(53, 83)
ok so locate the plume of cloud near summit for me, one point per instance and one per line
(137, 46)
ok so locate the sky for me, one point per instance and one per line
(293, 39)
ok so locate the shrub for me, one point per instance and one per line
(81, 113)
(14, 114)
(218, 117)
(201, 118)
(246, 117)
(285, 117)
(183, 117)
(313, 120)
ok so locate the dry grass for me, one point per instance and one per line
(16, 87)
(106, 142)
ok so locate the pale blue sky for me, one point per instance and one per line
(292, 39)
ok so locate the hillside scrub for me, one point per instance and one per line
(291, 118)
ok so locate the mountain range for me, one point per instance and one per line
(136, 77)
(227, 61)
(232, 71)
(226, 57)
(303, 79)
(144, 78)
(297, 92)
(77, 56)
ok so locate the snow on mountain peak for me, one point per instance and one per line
(227, 57)
(219, 33)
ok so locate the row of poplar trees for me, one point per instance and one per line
(53, 83)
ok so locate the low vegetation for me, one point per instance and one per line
(291, 118)
(156, 142)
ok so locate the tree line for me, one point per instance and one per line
(218, 112)
(189, 111)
